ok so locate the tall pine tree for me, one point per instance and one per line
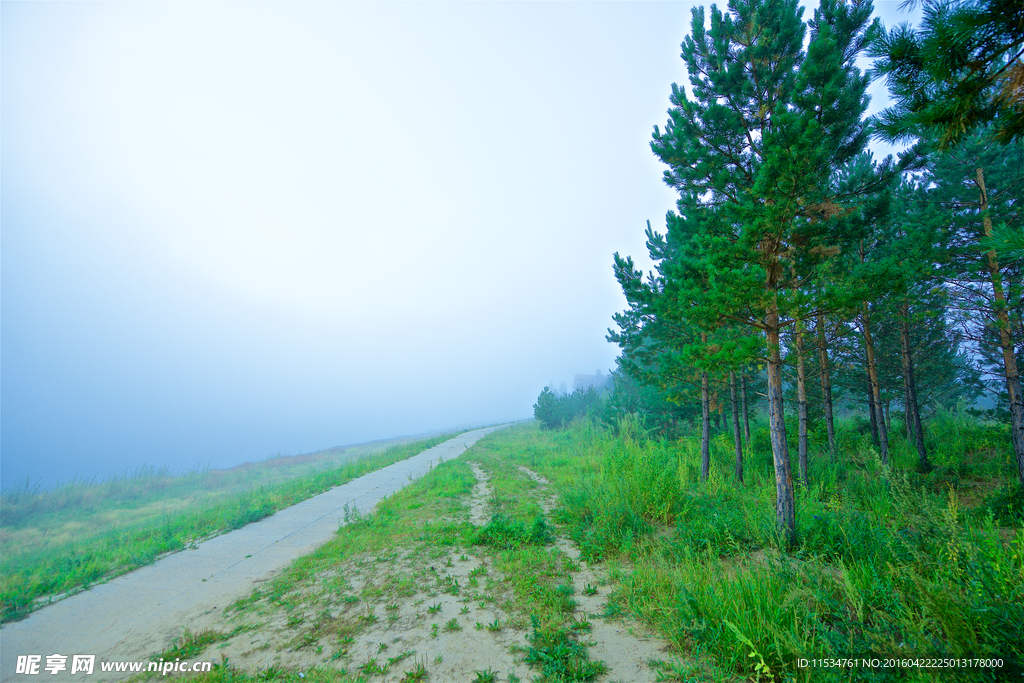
(751, 156)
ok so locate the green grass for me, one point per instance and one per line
(59, 541)
(890, 562)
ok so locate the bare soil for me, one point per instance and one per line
(448, 612)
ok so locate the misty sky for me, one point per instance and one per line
(231, 230)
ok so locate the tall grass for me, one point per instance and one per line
(890, 562)
(107, 529)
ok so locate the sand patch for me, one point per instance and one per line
(623, 644)
(479, 505)
(420, 607)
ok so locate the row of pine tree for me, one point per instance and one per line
(796, 260)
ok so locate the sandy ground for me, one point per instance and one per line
(433, 625)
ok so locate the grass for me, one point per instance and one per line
(67, 539)
(890, 562)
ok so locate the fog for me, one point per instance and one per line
(236, 230)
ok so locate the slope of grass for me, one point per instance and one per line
(60, 541)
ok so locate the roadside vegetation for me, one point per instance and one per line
(610, 522)
(55, 542)
(889, 563)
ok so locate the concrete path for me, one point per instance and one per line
(140, 613)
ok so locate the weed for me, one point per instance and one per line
(370, 666)
(435, 608)
(190, 645)
(416, 674)
(452, 625)
(464, 610)
(560, 656)
(581, 623)
(501, 532)
(402, 655)
(485, 676)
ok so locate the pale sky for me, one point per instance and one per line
(231, 230)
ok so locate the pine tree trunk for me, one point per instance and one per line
(785, 500)
(876, 394)
(746, 413)
(871, 410)
(1013, 388)
(906, 408)
(801, 404)
(736, 427)
(913, 412)
(826, 388)
(705, 433)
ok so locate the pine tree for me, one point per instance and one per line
(960, 70)
(983, 182)
(751, 157)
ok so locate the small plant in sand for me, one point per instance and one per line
(494, 626)
(485, 676)
(415, 674)
(435, 608)
(402, 655)
(452, 625)
(560, 656)
(581, 624)
(590, 589)
(370, 666)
